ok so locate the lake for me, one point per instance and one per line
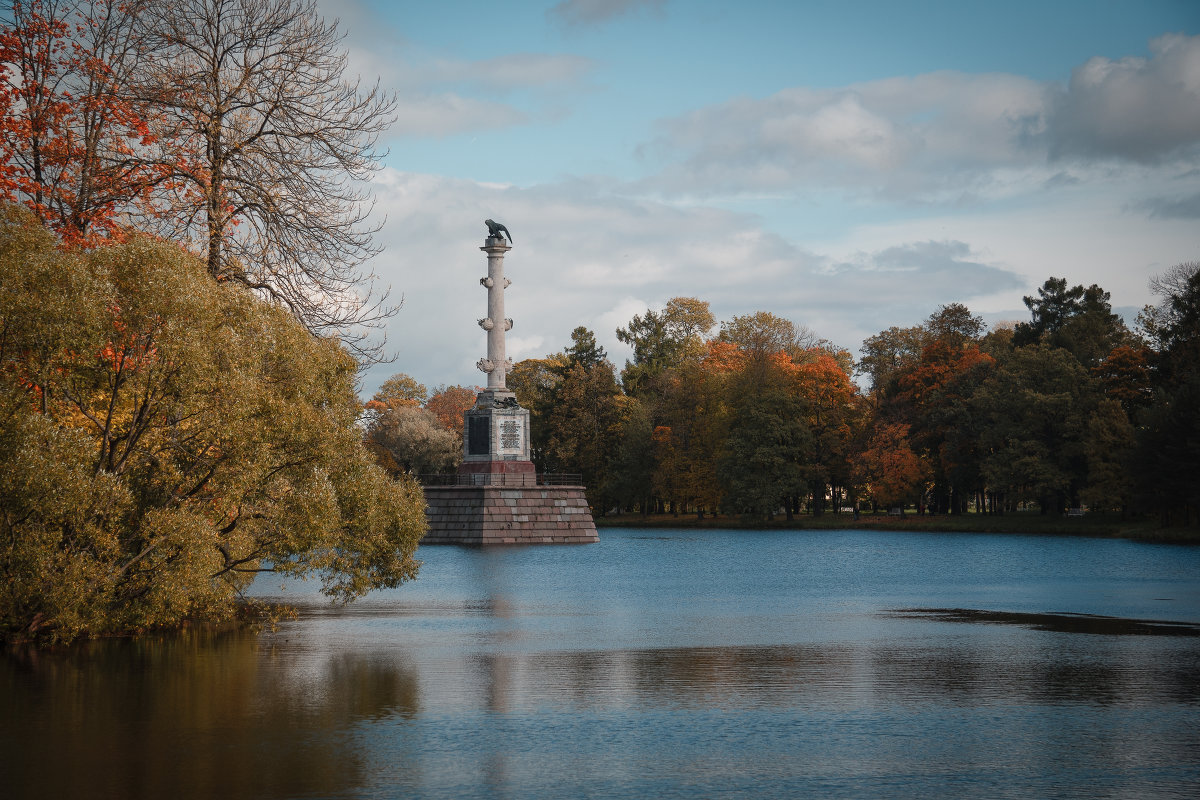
(656, 663)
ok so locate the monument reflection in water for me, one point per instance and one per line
(687, 664)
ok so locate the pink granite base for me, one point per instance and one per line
(486, 515)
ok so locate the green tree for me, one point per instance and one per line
(581, 429)
(1079, 320)
(164, 437)
(1167, 458)
(584, 350)
(760, 465)
(889, 353)
(1033, 413)
(1108, 447)
(632, 469)
(662, 340)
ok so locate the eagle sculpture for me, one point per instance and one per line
(495, 228)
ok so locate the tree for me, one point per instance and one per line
(890, 352)
(1167, 456)
(584, 350)
(165, 437)
(888, 467)
(70, 131)
(663, 340)
(399, 390)
(763, 333)
(535, 382)
(276, 141)
(1076, 319)
(1108, 447)
(760, 465)
(632, 472)
(1033, 413)
(449, 404)
(581, 429)
(414, 441)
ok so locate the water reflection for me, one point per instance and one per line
(1062, 623)
(199, 715)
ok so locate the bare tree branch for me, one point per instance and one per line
(272, 144)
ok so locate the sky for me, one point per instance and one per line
(849, 166)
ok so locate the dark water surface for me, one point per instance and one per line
(663, 664)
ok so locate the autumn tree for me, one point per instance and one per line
(887, 467)
(399, 390)
(410, 439)
(832, 410)
(72, 135)
(449, 404)
(276, 142)
(763, 333)
(165, 437)
(889, 353)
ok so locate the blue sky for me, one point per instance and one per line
(849, 165)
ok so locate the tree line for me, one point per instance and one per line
(759, 416)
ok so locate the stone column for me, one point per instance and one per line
(497, 364)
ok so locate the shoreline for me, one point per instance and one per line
(1029, 523)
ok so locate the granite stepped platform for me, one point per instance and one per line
(487, 515)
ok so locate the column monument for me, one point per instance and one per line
(497, 497)
(496, 430)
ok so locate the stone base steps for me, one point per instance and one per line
(485, 515)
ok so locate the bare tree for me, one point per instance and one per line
(271, 145)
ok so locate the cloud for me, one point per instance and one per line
(926, 134)
(509, 73)
(439, 96)
(1186, 207)
(595, 12)
(437, 115)
(585, 256)
(939, 137)
(1137, 109)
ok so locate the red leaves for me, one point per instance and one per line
(70, 135)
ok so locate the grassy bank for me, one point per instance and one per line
(1096, 525)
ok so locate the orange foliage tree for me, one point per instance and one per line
(888, 468)
(72, 136)
(449, 403)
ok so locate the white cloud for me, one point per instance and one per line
(941, 136)
(447, 113)
(1132, 108)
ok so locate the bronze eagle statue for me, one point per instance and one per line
(495, 229)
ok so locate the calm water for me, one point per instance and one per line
(657, 664)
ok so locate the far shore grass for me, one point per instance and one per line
(1108, 526)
